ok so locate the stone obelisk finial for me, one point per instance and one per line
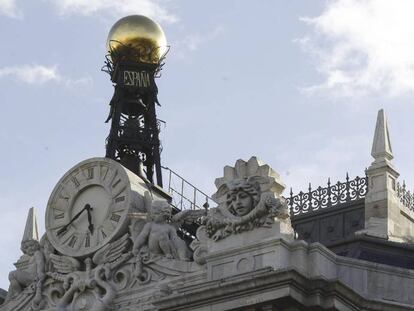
(383, 218)
(381, 146)
(31, 231)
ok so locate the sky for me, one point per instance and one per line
(297, 83)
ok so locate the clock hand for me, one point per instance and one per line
(63, 229)
(90, 227)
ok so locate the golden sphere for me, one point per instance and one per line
(136, 38)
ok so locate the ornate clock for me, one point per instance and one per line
(89, 207)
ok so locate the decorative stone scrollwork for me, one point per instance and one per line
(83, 288)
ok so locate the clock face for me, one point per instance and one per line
(88, 207)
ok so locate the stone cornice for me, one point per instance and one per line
(266, 285)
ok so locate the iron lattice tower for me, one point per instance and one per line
(134, 135)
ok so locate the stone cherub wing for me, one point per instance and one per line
(140, 218)
(114, 253)
(64, 264)
(187, 216)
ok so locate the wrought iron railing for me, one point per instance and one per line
(406, 197)
(184, 194)
(326, 197)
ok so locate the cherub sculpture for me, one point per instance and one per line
(159, 234)
(30, 268)
(30, 271)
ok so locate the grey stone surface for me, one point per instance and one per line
(26, 282)
(50, 279)
(3, 295)
(235, 279)
(381, 146)
(385, 216)
(249, 197)
(252, 267)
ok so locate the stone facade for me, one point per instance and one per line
(245, 254)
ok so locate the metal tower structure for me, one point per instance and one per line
(134, 135)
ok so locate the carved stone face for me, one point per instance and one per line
(242, 197)
(30, 247)
(242, 203)
(160, 211)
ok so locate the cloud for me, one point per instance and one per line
(152, 8)
(192, 42)
(31, 74)
(363, 47)
(9, 8)
(39, 74)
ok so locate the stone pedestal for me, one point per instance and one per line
(248, 251)
(381, 201)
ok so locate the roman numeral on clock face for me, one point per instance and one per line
(115, 217)
(120, 199)
(59, 215)
(88, 240)
(62, 199)
(64, 234)
(116, 183)
(75, 181)
(61, 232)
(72, 241)
(103, 172)
(63, 196)
(89, 173)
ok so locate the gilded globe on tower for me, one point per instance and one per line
(137, 38)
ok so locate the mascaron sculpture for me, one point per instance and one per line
(248, 197)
